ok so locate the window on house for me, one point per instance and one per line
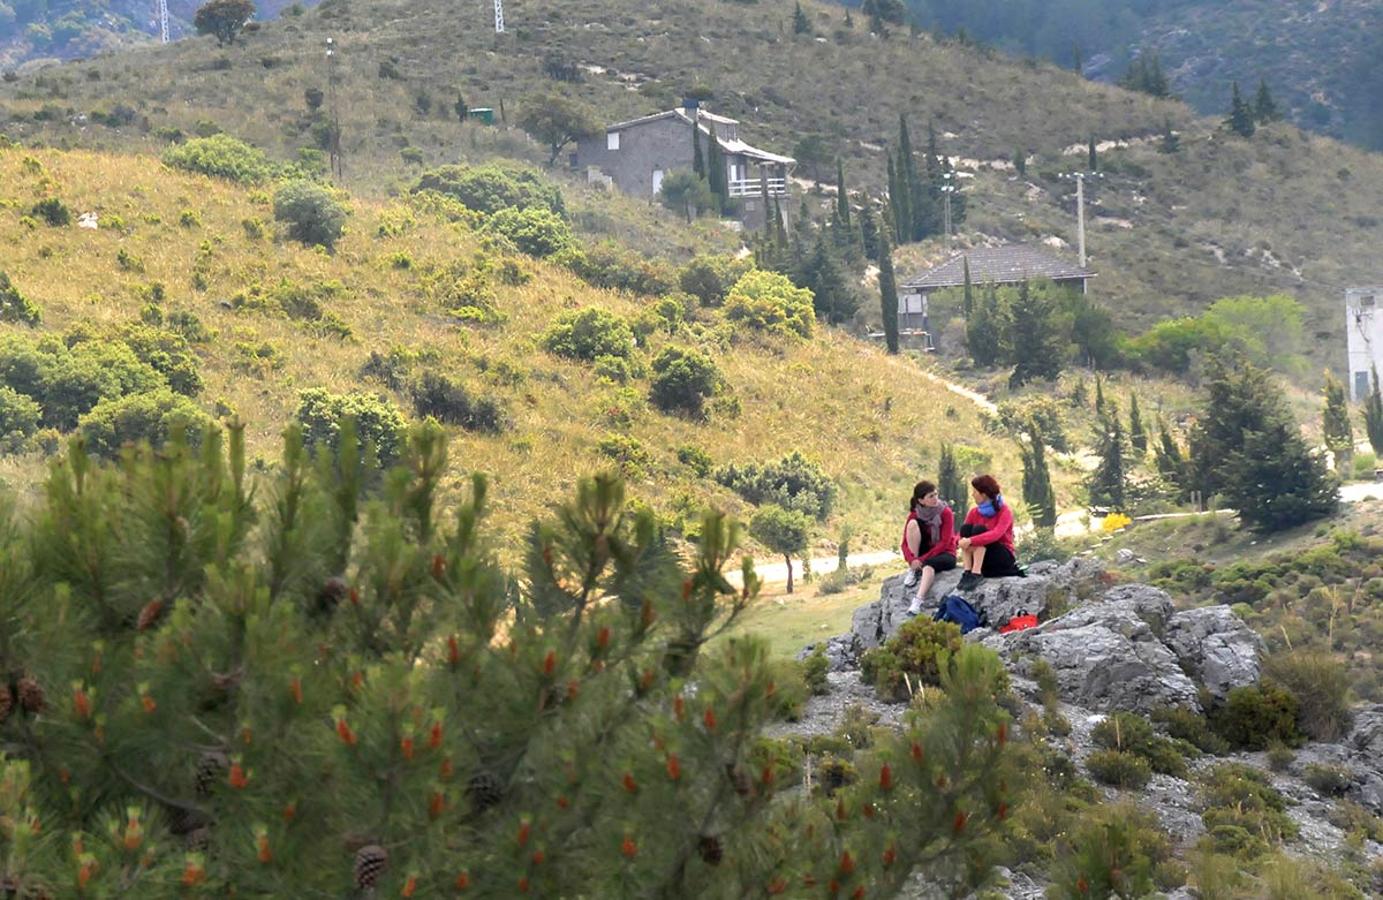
(1367, 301)
(612, 140)
(1361, 385)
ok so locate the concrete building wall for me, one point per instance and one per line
(1363, 338)
(662, 146)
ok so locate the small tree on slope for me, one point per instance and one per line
(303, 687)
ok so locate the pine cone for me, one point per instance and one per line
(333, 591)
(210, 768)
(369, 864)
(484, 790)
(711, 851)
(30, 694)
(6, 704)
(149, 615)
(198, 839)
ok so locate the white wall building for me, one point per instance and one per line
(1364, 327)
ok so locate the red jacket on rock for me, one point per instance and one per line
(945, 542)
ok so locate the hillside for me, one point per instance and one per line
(836, 399)
(1302, 211)
(1317, 57)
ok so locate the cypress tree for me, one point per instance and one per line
(951, 483)
(983, 330)
(1335, 425)
(909, 184)
(1093, 159)
(1264, 107)
(1099, 396)
(1171, 143)
(1020, 162)
(1373, 416)
(967, 297)
(1247, 448)
(849, 20)
(1108, 481)
(895, 199)
(832, 296)
(1033, 337)
(888, 295)
(842, 198)
(1037, 480)
(800, 23)
(1171, 462)
(715, 169)
(1137, 435)
(869, 232)
(698, 158)
(1240, 118)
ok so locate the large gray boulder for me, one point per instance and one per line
(1216, 648)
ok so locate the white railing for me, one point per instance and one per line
(751, 187)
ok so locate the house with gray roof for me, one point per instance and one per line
(636, 155)
(1006, 264)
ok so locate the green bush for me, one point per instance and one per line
(1119, 768)
(913, 651)
(684, 192)
(488, 189)
(1254, 716)
(447, 401)
(814, 670)
(683, 380)
(73, 380)
(709, 278)
(1113, 852)
(1244, 814)
(536, 231)
(19, 418)
(1192, 727)
(1130, 733)
(169, 354)
(793, 482)
(612, 266)
(378, 422)
(767, 301)
(1280, 757)
(1330, 780)
(311, 213)
(141, 418)
(634, 461)
(221, 156)
(53, 211)
(696, 459)
(14, 306)
(1321, 685)
(589, 334)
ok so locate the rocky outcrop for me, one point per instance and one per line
(1215, 647)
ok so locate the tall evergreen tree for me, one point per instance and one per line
(1171, 143)
(1092, 161)
(909, 185)
(832, 296)
(842, 196)
(800, 23)
(869, 232)
(1264, 107)
(1108, 483)
(1373, 415)
(967, 297)
(1099, 396)
(1137, 434)
(698, 158)
(896, 203)
(1240, 118)
(1246, 448)
(715, 169)
(1033, 337)
(950, 482)
(983, 330)
(1335, 425)
(1020, 162)
(1037, 480)
(1171, 462)
(1092, 330)
(888, 294)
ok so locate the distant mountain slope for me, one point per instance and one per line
(1321, 57)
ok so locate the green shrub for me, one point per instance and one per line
(789, 690)
(814, 670)
(447, 401)
(311, 213)
(709, 278)
(686, 193)
(488, 189)
(696, 459)
(221, 156)
(1132, 733)
(1192, 727)
(1321, 685)
(1254, 716)
(767, 301)
(1330, 780)
(589, 334)
(74, 380)
(141, 418)
(1119, 768)
(634, 461)
(19, 418)
(913, 651)
(169, 354)
(1244, 815)
(793, 482)
(378, 422)
(53, 211)
(14, 306)
(1280, 756)
(536, 231)
(614, 369)
(1112, 853)
(683, 380)
(612, 266)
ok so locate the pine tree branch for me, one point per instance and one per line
(151, 792)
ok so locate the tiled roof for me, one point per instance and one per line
(1008, 264)
(726, 144)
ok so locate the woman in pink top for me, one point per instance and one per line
(929, 541)
(986, 538)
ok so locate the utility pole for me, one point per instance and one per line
(338, 168)
(163, 19)
(499, 16)
(1080, 207)
(947, 189)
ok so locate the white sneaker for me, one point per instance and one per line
(914, 608)
(910, 579)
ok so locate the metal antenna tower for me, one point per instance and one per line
(499, 16)
(163, 19)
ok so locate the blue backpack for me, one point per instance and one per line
(954, 608)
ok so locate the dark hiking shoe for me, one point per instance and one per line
(968, 581)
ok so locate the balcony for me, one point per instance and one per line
(752, 187)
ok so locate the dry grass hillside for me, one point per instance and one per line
(837, 399)
(1169, 233)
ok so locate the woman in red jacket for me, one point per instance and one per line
(929, 541)
(986, 538)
